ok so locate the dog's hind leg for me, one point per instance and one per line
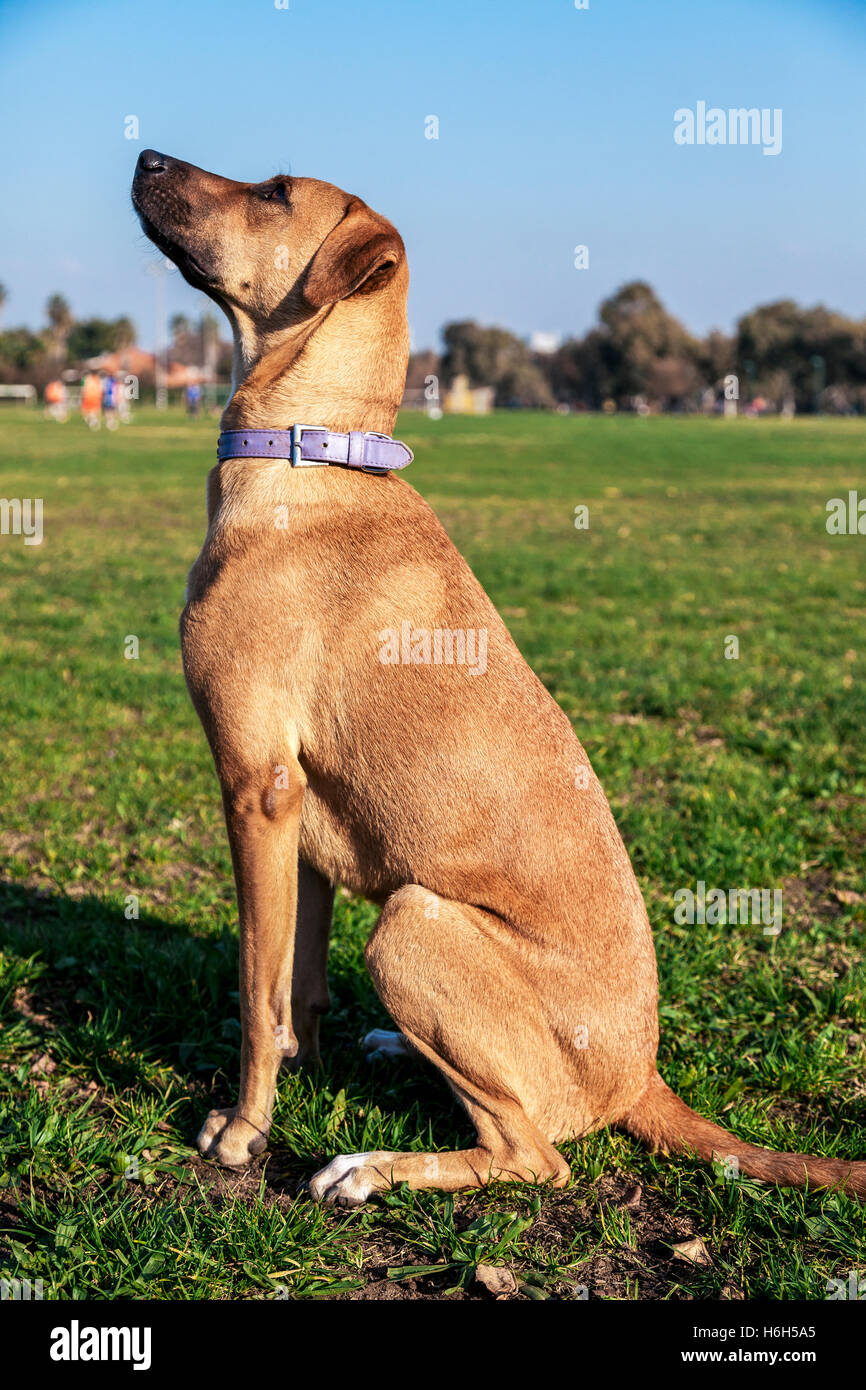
(310, 996)
(460, 1000)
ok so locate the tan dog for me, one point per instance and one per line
(513, 949)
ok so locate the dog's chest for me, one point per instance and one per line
(245, 621)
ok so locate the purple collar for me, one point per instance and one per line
(310, 445)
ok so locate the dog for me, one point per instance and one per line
(513, 949)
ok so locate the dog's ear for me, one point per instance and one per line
(360, 255)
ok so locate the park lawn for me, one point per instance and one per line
(117, 1033)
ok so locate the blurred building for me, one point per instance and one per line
(134, 361)
(462, 399)
(544, 343)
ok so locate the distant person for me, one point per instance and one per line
(91, 400)
(56, 401)
(193, 399)
(124, 414)
(109, 401)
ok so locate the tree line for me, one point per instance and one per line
(639, 355)
(65, 342)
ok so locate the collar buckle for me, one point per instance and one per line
(297, 433)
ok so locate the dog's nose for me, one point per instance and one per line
(152, 162)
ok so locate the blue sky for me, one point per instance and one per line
(555, 129)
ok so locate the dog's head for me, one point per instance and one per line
(276, 252)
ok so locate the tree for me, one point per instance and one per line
(23, 357)
(60, 323)
(523, 383)
(716, 357)
(494, 357)
(582, 371)
(674, 382)
(638, 350)
(640, 331)
(92, 337)
(803, 352)
(3, 297)
(124, 334)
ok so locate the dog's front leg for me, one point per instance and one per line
(262, 820)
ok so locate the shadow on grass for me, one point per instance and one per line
(159, 985)
(134, 1005)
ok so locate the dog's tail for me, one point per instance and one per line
(666, 1123)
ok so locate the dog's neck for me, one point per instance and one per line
(344, 368)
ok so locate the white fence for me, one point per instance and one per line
(27, 394)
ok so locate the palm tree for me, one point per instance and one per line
(60, 322)
(179, 325)
(123, 333)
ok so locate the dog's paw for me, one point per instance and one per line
(230, 1139)
(381, 1043)
(350, 1179)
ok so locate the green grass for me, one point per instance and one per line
(118, 1031)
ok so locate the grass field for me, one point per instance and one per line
(119, 1032)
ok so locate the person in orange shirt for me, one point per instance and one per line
(55, 401)
(91, 400)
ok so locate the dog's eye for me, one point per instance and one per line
(277, 194)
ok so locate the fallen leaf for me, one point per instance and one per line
(496, 1280)
(693, 1251)
(848, 896)
(632, 1197)
(731, 1291)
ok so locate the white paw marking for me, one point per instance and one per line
(343, 1181)
(381, 1043)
